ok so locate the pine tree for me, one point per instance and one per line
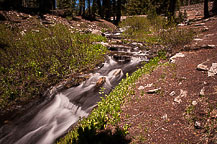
(214, 7)
(206, 9)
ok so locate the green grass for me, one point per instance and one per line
(109, 108)
(35, 60)
(156, 30)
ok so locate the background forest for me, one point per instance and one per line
(107, 9)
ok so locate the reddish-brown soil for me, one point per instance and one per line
(158, 118)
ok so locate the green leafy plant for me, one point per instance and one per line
(34, 60)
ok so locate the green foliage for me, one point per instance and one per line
(109, 108)
(37, 59)
(156, 30)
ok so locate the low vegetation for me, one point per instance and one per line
(34, 60)
(156, 30)
(109, 108)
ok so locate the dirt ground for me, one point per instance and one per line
(183, 109)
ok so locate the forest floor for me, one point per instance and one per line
(183, 106)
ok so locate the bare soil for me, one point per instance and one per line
(184, 110)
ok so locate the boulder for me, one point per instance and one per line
(181, 95)
(178, 55)
(100, 81)
(96, 32)
(213, 70)
(202, 67)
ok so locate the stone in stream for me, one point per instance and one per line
(100, 81)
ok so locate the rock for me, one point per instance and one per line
(181, 24)
(178, 55)
(118, 72)
(202, 91)
(213, 114)
(198, 39)
(96, 32)
(164, 117)
(197, 125)
(208, 46)
(117, 34)
(153, 91)
(199, 24)
(149, 85)
(202, 67)
(194, 103)
(100, 81)
(172, 93)
(213, 70)
(181, 95)
(141, 88)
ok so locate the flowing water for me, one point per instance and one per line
(52, 118)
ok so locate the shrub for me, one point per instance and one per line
(32, 61)
(158, 30)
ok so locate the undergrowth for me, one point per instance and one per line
(156, 30)
(34, 60)
(109, 108)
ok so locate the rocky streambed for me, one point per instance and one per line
(54, 116)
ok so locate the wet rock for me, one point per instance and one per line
(96, 32)
(100, 81)
(197, 125)
(117, 34)
(178, 55)
(154, 91)
(202, 67)
(141, 88)
(118, 72)
(181, 95)
(213, 70)
(172, 93)
(202, 91)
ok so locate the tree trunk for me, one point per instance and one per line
(114, 8)
(80, 7)
(99, 6)
(206, 9)
(172, 8)
(118, 19)
(107, 9)
(94, 9)
(83, 10)
(214, 7)
(189, 2)
(89, 12)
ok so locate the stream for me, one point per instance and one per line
(53, 118)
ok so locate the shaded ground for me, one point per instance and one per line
(184, 109)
